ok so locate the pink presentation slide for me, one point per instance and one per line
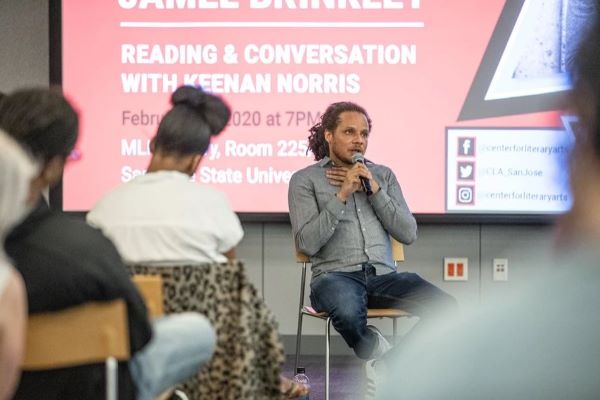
(429, 72)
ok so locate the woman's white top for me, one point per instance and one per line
(164, 218)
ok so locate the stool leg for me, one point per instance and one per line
(300, 316)
(298, 340)
(327, 353)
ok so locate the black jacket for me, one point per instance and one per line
(65, 262)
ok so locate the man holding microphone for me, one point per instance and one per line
(343, 210)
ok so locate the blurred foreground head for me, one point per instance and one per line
(42, 120)
(46, 125)
(583, 220)
(585, 97)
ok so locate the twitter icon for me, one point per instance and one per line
(466, 171)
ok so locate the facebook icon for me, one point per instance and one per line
(466, 146)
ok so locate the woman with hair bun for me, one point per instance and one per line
(163, 223)
(162, 217)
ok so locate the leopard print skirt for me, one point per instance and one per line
(249, 354)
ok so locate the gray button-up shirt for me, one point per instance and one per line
(340, 237)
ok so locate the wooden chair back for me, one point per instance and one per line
(150, 287)
(86, 334)
(397, 253)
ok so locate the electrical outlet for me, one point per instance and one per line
(456, 268)
(500, 269)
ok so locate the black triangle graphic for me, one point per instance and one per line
(476, 106)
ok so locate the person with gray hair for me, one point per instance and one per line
(16, 171)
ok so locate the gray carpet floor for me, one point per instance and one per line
(347, 376)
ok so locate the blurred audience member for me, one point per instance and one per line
(16, 170)
(64, 262)
(543, 342)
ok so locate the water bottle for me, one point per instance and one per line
(302, 379)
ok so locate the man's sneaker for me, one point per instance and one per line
(382, 344)
(375, 371)
(374, 368)
(178, 395)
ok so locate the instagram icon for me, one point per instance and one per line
(465, 195)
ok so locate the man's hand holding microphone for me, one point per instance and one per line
(353, 179)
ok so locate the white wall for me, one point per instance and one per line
(267, 247)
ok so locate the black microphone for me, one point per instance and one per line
(366, 184)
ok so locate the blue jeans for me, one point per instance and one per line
(345, 296)
(180, 345)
